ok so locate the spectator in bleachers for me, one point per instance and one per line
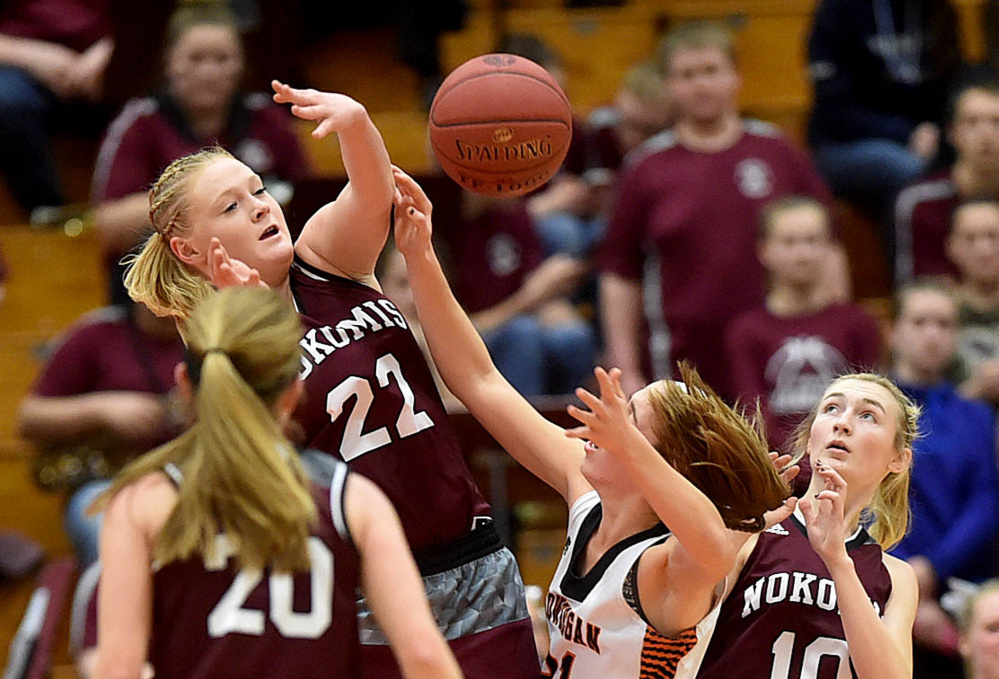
(102, 397)
(954, 491)
(880, 70)
(685, 218)
(519, 300)
(979, 642)
(200, 104)
(973, 246)
(786, 352)
(52, 53)
(924, 209)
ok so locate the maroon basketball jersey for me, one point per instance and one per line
(372, 402)
(781, 619)
(212, 620)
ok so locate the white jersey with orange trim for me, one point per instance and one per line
(594, 620)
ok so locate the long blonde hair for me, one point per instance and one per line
(887, 514)
(720, 450)
(241, 475)
(156, 277)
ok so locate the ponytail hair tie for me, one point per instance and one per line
(194, 363)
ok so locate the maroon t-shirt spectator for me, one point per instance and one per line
(105, 351)
(923, 212)
(150, 133)
(685, 224)
(491, 254)
(77, 24)
(787, 362)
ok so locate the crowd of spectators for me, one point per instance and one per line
(677, 229)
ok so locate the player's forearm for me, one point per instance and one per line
(457, 349)
(873, 652)
(367, 163)
(690, 515)
(54, 420)
(123, 223)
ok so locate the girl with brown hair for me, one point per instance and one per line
(628, 591)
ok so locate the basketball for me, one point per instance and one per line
(500, 125)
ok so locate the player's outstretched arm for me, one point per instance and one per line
(393, 586)
(464, 361)
(346, 236)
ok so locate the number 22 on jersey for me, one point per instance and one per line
(356, 441)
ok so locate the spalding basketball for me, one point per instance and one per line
(500, 125)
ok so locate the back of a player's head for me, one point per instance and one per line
(887, 514)
(156, 277)
(717, 448)
(695, 35)
(241, 473)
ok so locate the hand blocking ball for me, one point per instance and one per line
(500, 125)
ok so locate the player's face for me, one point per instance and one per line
(854, 433)
(204, 67)
(703, 84)
(599, 464)
(924, 337)
(973, 244)
(228, 201)
(797, 243)
(975, 129)
(980, 644)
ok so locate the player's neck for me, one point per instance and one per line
(795, 300)
(709, 136)
(622, 518)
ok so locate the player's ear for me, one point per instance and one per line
(184, 249)
(183, 380)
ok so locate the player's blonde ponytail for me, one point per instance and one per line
(155, 276)
(887, 514)
(241, 475)
(720, 450)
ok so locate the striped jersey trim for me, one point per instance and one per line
(661, 655)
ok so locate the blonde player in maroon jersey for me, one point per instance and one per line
(221, 560)
(627, 592)
(815, 596)
(371, 400)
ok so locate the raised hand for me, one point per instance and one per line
(332, 112)
(824, 516)
(413, 227)
(226, 272)
(607, 423)
(787, 471)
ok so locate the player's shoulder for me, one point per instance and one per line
(651, 147)
(902, 574)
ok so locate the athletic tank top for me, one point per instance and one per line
(781, 620)
(211, 620)
(371, 401)
(595, 631)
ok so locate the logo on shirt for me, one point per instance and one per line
(504, 254)
(754, 178)
(777, 529)
(800, 371)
